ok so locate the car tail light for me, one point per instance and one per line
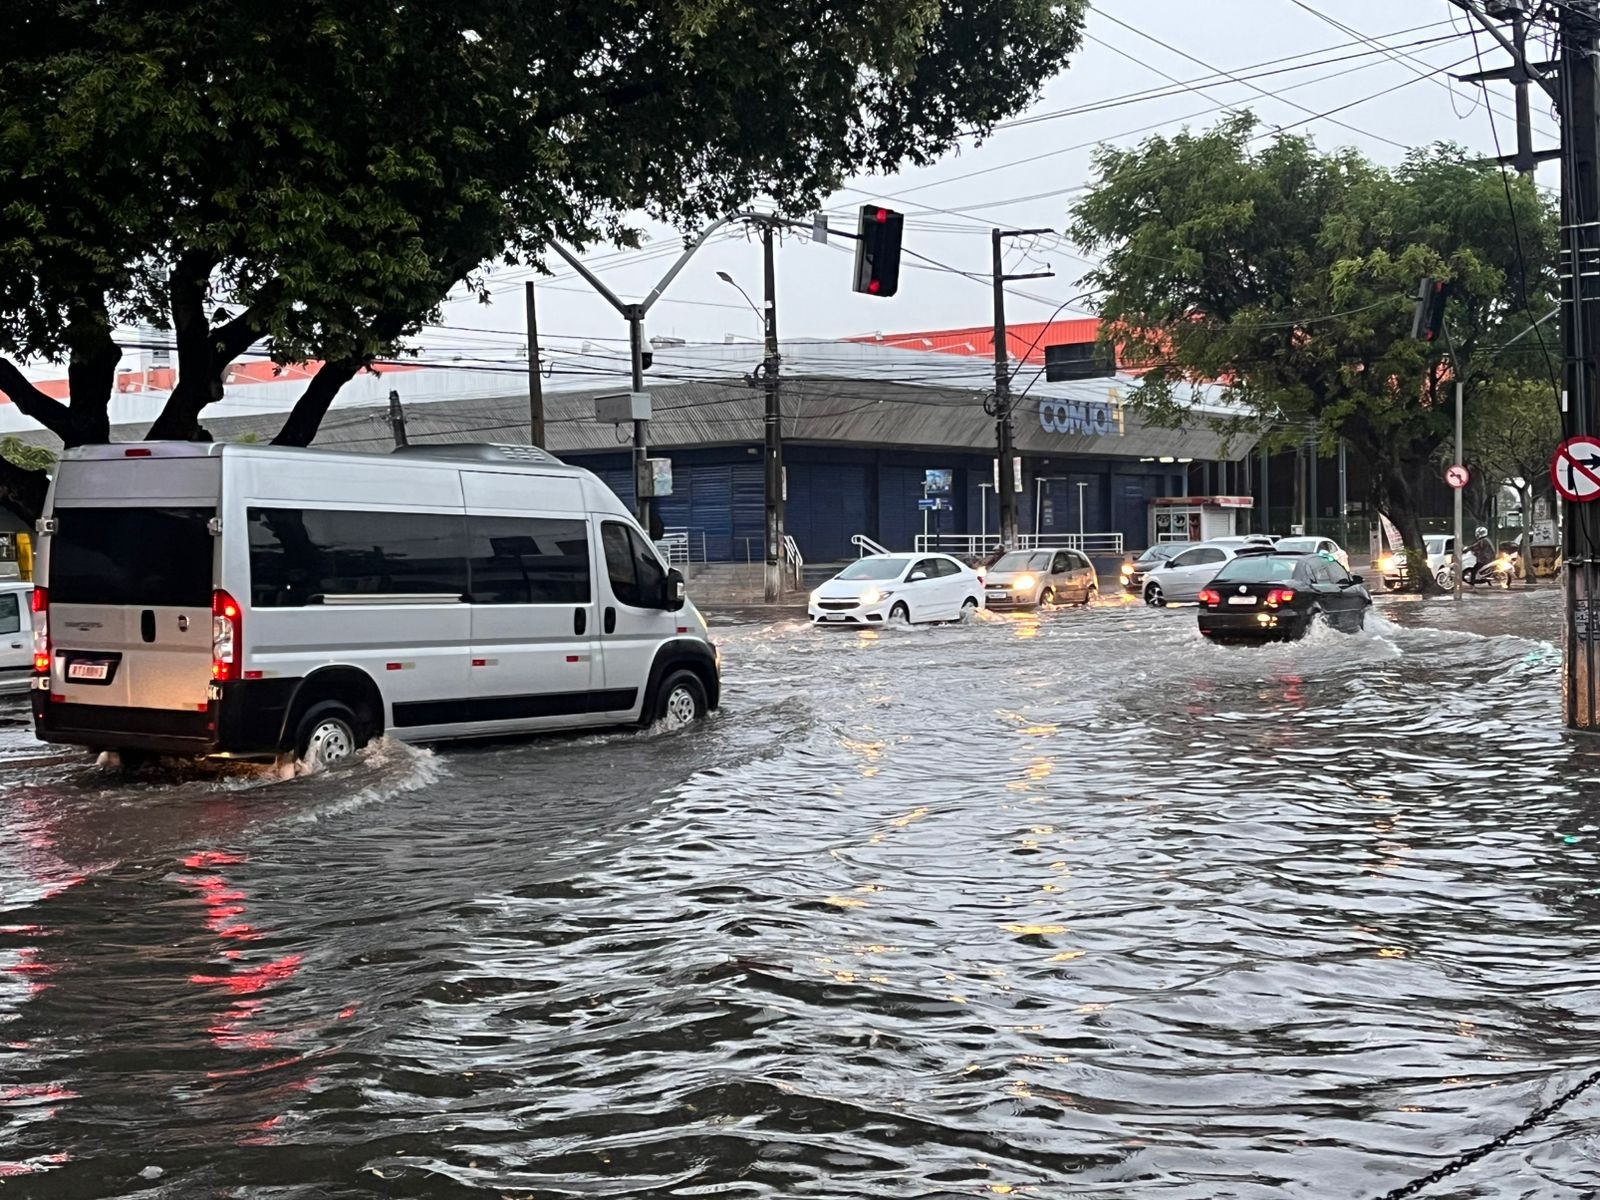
(1280, 596)
(42, 652)
(227, 636)
(1207, 596)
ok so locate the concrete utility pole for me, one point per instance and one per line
(1573, 85)
(535, 382)
(397, 420)
(1005, 427)
(1460, 455)
(773, 456)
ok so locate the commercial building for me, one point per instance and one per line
(864, 423)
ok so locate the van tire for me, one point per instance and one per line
(679, 701)
(328, 734)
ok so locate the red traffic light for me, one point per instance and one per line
(878, 251)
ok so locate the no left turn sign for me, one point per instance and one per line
(1456, 476)
(1576, 469)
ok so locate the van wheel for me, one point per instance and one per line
(680, 700)
(328, 734)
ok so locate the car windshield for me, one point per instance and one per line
(875, 568)
(1160, 553)
(1258, 568)
(1023, 560)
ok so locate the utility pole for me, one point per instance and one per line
(535, 382)
(641, 453)
(770, 364)
(1574, 87)
(1460, 454)
(1005, 426)
(397, 420)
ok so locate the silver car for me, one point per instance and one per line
(1179, 579)
(1034, 578)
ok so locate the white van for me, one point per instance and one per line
(16, 635)
(259, 602)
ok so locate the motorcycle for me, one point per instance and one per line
(1498, 573)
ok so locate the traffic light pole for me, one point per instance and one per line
(1005, 426)
(774, 424)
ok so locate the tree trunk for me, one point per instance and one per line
(1399, 507)
(1526, 540)
(199, 374)
(22, 491)
(306, 417)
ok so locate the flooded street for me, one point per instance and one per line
(1071, 906)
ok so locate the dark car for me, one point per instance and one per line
(1279, 595)
(1133, 573)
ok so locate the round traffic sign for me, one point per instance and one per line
(1456, 476)
(1576, 469)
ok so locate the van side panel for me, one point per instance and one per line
(533, 602)
(417, 652)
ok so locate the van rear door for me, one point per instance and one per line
(130, 604)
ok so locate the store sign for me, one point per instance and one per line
(1091, 418)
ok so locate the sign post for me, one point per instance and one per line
(1457, 476)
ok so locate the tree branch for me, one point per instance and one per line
(306, 416)
(34, 404)
(198, 380)
(233, 338)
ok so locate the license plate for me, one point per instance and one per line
(88, 670)
(1241, 599)
(833, 616)
(997, 595)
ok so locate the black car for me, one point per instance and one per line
(1278, 595)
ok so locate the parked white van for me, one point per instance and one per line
(16, 635)
(260, 602)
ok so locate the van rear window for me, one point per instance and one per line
(144, 557)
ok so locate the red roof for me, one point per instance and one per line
(1025, 342)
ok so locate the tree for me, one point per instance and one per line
(315, 176)
(1288, 275)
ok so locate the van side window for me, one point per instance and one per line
(10, 614)
(300, 556)
(637, 577)
(528, 560)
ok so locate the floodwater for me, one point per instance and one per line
(1059, 907)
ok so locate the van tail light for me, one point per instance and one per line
(42, 650)
(227, 636)
(1207, 596)
(1280, 596)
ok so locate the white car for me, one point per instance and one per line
(1441, 562)
(16, 636)
(1326, 547)
(1179, 579)
(884, 589)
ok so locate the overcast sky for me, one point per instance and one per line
(1026, 176)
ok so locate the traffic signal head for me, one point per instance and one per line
(878, 251)
(1427, 318)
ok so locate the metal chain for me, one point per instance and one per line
(1538, 1116)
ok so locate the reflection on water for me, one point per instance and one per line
(1065, 905)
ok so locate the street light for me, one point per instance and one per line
(760, 316)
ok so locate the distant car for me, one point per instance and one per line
(1180, 578)
(1279, 596)
(16, 636)
(884, 589)
(1133, 573)
(1441, 549)
(1031, 578)
(1326, 547)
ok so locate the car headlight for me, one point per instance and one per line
(874, 595)
(1023, 583)
(1127, 570)
(816, 595)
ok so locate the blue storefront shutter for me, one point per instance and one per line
(827, 507)
(749, 500)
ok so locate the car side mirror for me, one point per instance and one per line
(676, 591)
(916, 576)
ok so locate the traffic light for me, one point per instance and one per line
(1078, 360)
(878, 251)
(1427, 319)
